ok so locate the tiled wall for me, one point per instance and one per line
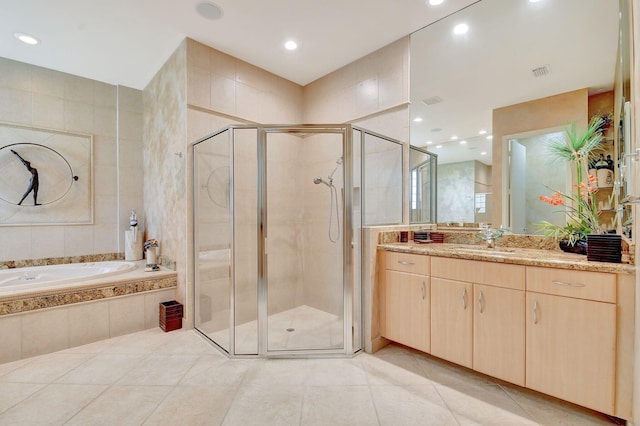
(48, 330)
(31, 95)
(165, 158)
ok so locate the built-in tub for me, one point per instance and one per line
(37, 278)
(49, 308)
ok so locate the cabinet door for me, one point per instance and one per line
(498, 332)
(570, 350)
(452, 320)
(407, 309)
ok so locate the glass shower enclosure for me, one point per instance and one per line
(277, 239)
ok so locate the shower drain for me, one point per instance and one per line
(291, 329)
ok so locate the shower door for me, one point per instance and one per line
(304, 231)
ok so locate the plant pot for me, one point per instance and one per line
(580, 247)
(604, 248)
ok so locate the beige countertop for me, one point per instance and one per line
(517, 256)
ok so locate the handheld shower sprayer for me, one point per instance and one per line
(334, 200)
(318, 180)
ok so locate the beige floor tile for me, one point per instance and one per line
(13, 365)
(193, 406)
(446, 373)
(53, 404)
(393, 370)
(335, 372)
(338, 405)
(92, 348)
(265, 405)
(210, 370)
(475, 404)
(121, 405)
(103, 369)
(411, 405)
(186, 342)
(13, 393)
(550, 411)
(46, 369)
(136, 343)
(160, 370)
(279, 372)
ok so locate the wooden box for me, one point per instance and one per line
(171, 315)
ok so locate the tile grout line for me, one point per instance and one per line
(444, 401)
(531, 416)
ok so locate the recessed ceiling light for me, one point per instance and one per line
(429, 142)
(209, 10)
(483, 153)
(435, 2)
(460, 29)
(534, 1)
(417, 119)
(26, 38)
(490, 137)
(482, 132)
(463, 142)
(291, 45)
(438, 146)
(454, 137)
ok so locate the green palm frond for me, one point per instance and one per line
(575, 146)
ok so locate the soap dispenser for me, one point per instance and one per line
(133, 239)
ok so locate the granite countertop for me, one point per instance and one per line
(516, 256)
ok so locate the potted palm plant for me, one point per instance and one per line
(580, 204)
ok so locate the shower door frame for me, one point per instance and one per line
(347, 240)
(350, 348)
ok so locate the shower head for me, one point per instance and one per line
(318, 180)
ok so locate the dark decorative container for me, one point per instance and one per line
(580, 247)
(604, 248)
(171, 315)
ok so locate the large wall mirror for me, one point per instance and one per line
(521, 69)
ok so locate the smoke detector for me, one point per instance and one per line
(209, 10)
(541, 71)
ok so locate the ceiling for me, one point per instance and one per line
(491, 66)
(125, 42)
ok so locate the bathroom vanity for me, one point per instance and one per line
(546, 320)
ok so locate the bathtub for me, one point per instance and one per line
(48, 308)
(36, 278)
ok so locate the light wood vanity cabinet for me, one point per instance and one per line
(571, 336)
(562, 332)
(406, 300)
(477, 316)
(452, 321)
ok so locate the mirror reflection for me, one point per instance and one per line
(522, 68)
(422, 185)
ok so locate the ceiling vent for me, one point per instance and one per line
(541, 71)
(432, 100)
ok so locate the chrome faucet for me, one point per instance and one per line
(490, 235)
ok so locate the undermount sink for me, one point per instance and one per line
(485, 250)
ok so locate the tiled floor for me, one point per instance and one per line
(156, 378)
(302, 327)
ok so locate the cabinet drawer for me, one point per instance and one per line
(599, 286)
(407, 262)
(479, 272)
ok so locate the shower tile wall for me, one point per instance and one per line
(32, 95)
(372, 92)
(222, 90)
